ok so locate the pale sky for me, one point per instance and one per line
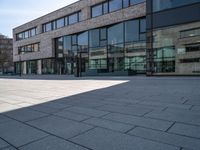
(17, 12)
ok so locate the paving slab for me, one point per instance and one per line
(19, 134)
(52, 143)
(3, 144)
(139, 111)
(185, 117)
(164, 137)
(112, 125)
(72, 115)
(4, 119)
(60, 127)
(9, 148)
(87, 111)
(140, 121)
(102, 139)
(184, 129)
(25, 114)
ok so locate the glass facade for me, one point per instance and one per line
(159, 5)
(116, 48)
(176, 49)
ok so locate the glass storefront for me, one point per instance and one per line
(177, 49)
(116, 48)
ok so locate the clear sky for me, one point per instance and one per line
(17, 12)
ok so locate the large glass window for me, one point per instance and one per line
(170, 49)
(132, 31)
(48, 66)
(31, 67)
(159, 5)
(83, 41)
(94, 38)
(115, 5)
(115, 34)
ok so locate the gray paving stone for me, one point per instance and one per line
(183, 129)
(196, 108)
(102, 139)
(165, 104)
(164, 137)
(87, 111)
(139, 111)
(4, 119)
(54, 105)
(44, 109)
(52, 143)
(140, 121)
(9, 148)
(61, 127)
(3, 144)
(25, 114)
(19, 134)
(72, 115)
(109, 124)
(179, 116)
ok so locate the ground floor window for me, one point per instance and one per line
(48, 66)
(31, 67)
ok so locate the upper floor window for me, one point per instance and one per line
(115, 5)
(60, 23)
(159, 5)
(73, 18)
(112, 5)
(26, 34)
(29, 48)
(64, 21)
(190, 33)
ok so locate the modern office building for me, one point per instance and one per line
(112, 37)
(6, 55)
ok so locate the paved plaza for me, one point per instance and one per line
(99, 113)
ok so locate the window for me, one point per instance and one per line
(190, 33)
(29, 48)
(48, 27)
(125, 3)
(67, 43)
(94, 38)
(159, 5)
(33, 32)
(66, 21)
(73, 18)
(134, 2)
(60, 23)
(115, 5)
(26, 34)
(132, 31)
(115, 34)
(97, 10)
(105, 8)
(83, 41)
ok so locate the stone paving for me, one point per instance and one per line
(99, 113)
